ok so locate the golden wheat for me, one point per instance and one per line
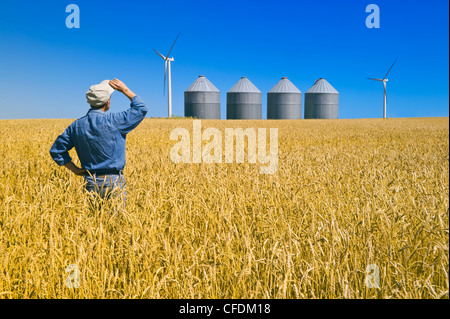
(347, 194)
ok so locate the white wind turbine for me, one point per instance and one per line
(384, 80)
(167, 59)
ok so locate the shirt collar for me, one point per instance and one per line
(93, 110)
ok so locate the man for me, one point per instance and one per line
(99, 138)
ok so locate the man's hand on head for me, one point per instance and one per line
(121, 87)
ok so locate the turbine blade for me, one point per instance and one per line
(162, 56)
(375, 79)
(390, 69)
(168, 54)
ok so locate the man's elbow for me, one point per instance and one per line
(142, 111)
(58, 162)
(140, 104)
(54, 156)
(57, 158)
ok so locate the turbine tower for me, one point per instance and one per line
(384, 80)
(167, 59)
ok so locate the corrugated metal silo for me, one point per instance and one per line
(322, 101)
(284, 101)
(244, 101)
(202, 100)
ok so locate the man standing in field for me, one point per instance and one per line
(99, 138)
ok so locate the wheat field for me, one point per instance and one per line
(347, 194)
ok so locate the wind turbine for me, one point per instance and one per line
(384, 80)
(167, 59)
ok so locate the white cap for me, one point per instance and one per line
(99, 94)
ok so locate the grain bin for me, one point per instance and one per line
(202, 100)
(244, 101)
(321, 101)
(284, 101)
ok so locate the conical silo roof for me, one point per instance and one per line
(202, 84)
(322, 86)
(244, 85)
(284, 86)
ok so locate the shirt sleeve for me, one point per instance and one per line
(60, 149)
(127, 120)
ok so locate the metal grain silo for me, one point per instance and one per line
(244, 101)
(284, 101)
(321, 101)
(202, 100)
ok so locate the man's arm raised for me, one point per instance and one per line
(129, 119)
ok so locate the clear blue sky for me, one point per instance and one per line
(46, 68)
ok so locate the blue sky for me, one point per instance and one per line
(46, 68)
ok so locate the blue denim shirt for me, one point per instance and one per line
(99, 138)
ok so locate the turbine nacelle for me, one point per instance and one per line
(163, 57)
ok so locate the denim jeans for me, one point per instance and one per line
(107, 185)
